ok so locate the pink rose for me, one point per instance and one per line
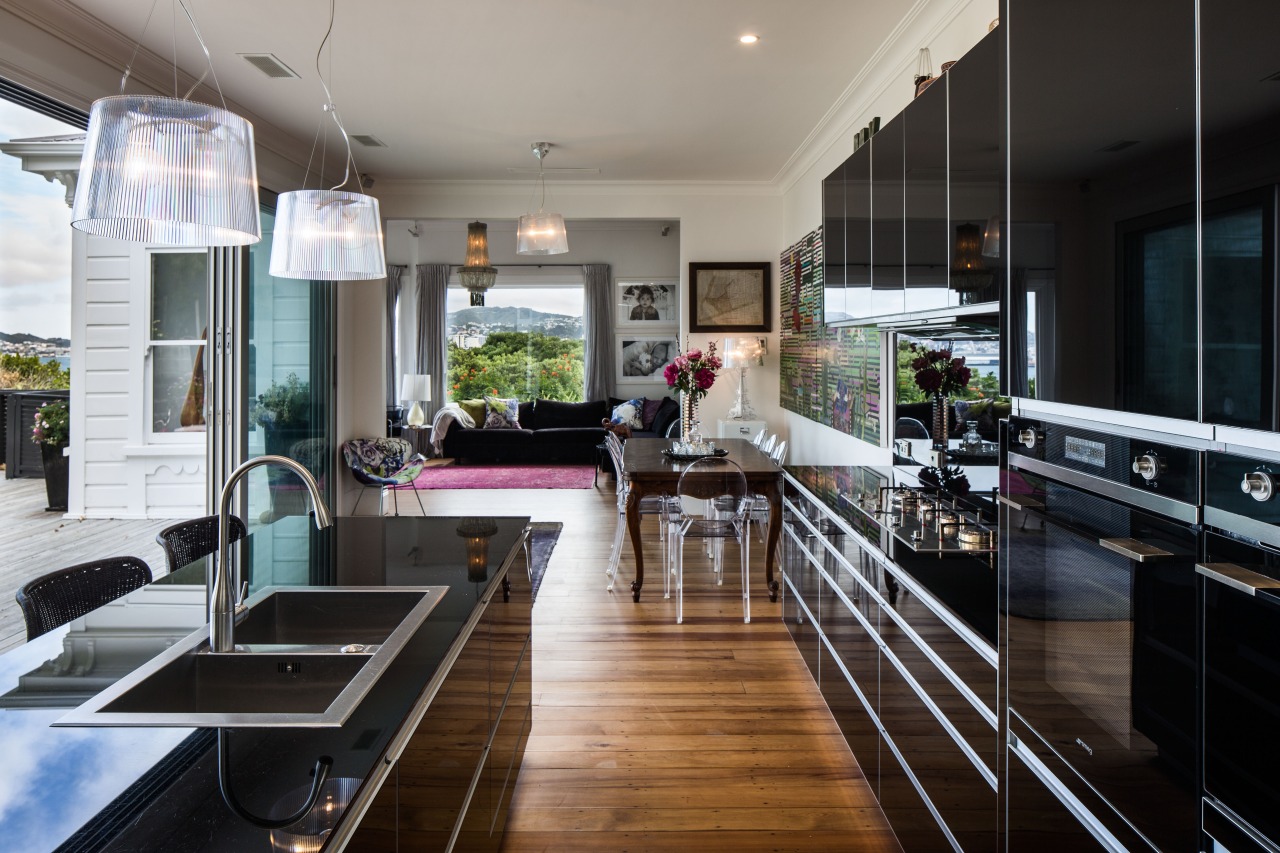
(670, 373)
(694, 354)
(681, 362)
(704, 378)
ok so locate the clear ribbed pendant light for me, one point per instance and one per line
(541, 233)
(168, 170)
(328, 235)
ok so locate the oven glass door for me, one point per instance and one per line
(1242, 688)
(1102, 651)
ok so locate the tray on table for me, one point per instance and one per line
(692, 457)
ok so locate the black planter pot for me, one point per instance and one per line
(55, 476)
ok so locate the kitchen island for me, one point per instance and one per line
(142, 789)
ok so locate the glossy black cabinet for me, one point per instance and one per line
(925, 200)
(1240, 170)
(1102, 185)
(888, 204)
(833, 246)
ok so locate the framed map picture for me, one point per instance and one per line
(729, 297)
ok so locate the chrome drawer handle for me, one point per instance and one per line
(1137, 550)
(1023, 502)
(1237, 577)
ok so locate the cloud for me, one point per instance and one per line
(35, 237)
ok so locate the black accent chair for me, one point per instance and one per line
(188, 541)
(58, 597)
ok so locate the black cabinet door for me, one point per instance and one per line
(975, 159)
(1102, 172)
(833, 246)
(887, 210)
(857, 234)
(925, 200)
(1240, 168)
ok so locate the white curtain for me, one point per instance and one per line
(431, 346)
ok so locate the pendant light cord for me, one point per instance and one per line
(195, 28)
(332, 108)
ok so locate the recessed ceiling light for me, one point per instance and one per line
(749, 39)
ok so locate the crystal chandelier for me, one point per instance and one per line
(541, 233)
(477, 275)
(168, 170)
(333, 234)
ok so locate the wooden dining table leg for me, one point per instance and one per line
(774, 495)
(633, 530)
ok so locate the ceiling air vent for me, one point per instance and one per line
(269, 64)
(1119, 146)
(368, 140)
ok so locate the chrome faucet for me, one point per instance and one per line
(226, 595)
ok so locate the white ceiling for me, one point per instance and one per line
(642, 90)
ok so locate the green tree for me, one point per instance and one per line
(31, 373)
(524, 365)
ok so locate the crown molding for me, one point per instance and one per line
(889, 66)
(412, 187)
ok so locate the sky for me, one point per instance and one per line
(35, 236)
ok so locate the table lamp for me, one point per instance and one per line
(741, 354)
(415, 387)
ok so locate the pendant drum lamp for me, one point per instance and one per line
(477, 275)
(168, 170)
(541, 233)
(333, 234)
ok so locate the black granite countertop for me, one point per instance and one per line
(142, 789)
(966, 585)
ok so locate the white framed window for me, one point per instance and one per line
(177, 320)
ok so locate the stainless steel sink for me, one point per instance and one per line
(305, 657)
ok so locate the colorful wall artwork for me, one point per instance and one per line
(829, 374)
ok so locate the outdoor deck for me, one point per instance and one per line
(33, 542)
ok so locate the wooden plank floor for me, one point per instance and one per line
(652, 736)
(34, 542)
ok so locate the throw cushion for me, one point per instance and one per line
(553, 414)
(668, 412)
(501, 413)
(629, 413)
(650, 409)
(474, 408)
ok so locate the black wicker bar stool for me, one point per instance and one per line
(188, 541)
(58, 597)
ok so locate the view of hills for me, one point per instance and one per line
(24, 338)
(487, 319)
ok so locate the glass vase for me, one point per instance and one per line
(941, 421)
(688, 417)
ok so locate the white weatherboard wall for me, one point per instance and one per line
(949, 29)
(115, 471)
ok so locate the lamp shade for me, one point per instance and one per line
(327, 235)
(477, 275)
(541, 234)
(415, 387)
(743, 352)
(168, 171)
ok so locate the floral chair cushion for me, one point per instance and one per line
(382, 461)
(501, 413)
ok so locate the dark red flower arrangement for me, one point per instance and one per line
(948, 478)
(937, 372)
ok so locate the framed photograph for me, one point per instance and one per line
(729, 297)
(648, 304)
(641, 359)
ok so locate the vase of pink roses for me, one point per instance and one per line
(939, 374)
(692, 373)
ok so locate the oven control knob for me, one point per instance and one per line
(1259, 485)
(1149, 466)
(1029, 437)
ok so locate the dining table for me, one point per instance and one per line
(651, 472)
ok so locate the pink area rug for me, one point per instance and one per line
(505, 477)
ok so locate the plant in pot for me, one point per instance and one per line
(283, 411)
(52, 431)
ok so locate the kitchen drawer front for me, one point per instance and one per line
(849, 706)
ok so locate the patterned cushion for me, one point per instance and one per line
(501, 413)
(375, 460)
(650, 410)
(629, 413)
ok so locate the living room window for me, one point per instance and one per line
(178, 300)
(525, 342)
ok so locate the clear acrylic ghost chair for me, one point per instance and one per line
(708, 488)
(649, 505)
(767, 447)
(760, 437)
